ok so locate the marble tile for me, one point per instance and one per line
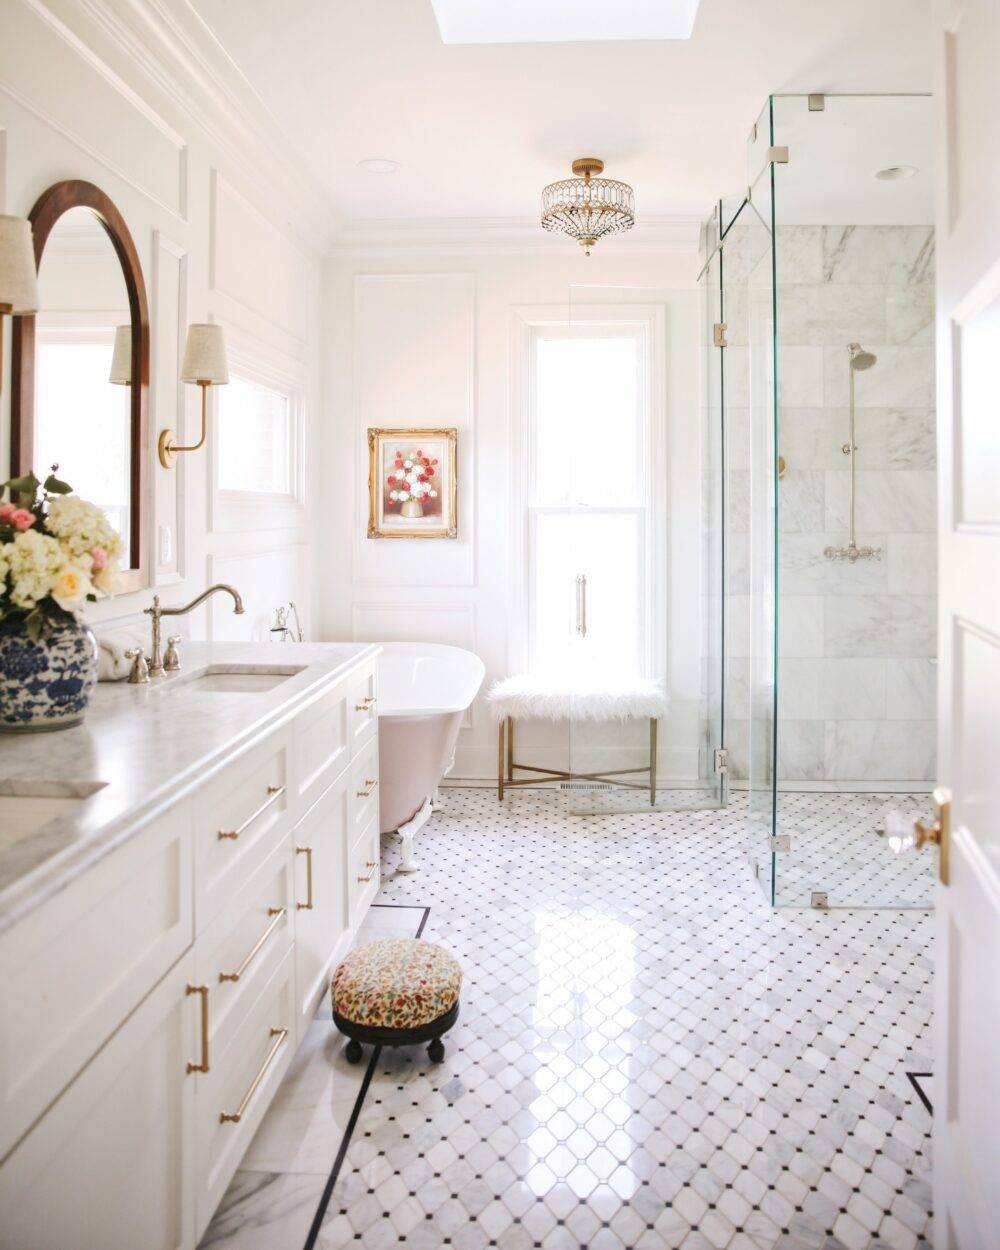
(880, 750)
(909, 314)
(806, 571)
(831, 315)
(800, 690)
(858, 625)
(801, 501)
(738, 564)
(911, 689)
(738, 501)
(890, 255)
(814, 438)
(911, 561)
(738, 625)
(853, 689)
(799, 254)
(913, 625)
(899, 502)
(264, 1211)
(737, 688)
(801, 746)
(801, 376)
(911, 438)
(800, 628)
(902, 377)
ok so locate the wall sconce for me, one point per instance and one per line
(18, 275)
(205, 366)
(121, 357)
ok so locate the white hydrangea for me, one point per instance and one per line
(81, 526)
(35, 561)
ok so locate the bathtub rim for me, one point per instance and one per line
(441, 650)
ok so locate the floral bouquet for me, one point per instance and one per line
(412, 481)
(56, 552)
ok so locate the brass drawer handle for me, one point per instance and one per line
(234, 1117)
(307, 851)
(366, 704)
(277, 913)
(203, 991)
(370, 783)
(273, 794)
(365, 880)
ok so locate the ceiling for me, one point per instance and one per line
(479, 129)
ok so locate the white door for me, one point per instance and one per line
(967, 1007)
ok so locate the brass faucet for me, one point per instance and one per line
(156, 665)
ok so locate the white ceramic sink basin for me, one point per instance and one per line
(233, 679)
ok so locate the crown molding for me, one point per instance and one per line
(502, 235)
(169, 47)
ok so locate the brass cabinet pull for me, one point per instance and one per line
(365, 880)
(307, 851)
(366, 704)
(234, 1117)
(203, 991)
(273, 794)
(938, 833)
(370, 783)
(277, 913)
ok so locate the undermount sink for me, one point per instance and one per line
(234, 679)
(28, 805)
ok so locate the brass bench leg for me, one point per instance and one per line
(500, 758)
(653, 726)
(510, 748)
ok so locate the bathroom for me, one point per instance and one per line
(496, 680)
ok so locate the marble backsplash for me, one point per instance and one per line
(857, 643)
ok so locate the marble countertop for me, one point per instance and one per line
(140, 749)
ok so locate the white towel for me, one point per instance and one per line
(113, 643)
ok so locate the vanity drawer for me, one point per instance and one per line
(240, 950)
(322, 744)
(362, 707)
(364, 788)
(239, 818)
(363, 873)
(75, 967)
(233, 1095)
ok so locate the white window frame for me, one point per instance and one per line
(526, 325)
(245, 510)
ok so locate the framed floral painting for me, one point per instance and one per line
(412, 487)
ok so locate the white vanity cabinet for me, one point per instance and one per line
(152, 1007)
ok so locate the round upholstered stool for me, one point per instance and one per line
(396, 992)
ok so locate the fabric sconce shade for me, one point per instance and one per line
(121, 359)
(18, 275)
(205, 356)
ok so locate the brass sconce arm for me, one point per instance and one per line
(168, 450)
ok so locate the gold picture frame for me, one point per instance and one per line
(412, 483)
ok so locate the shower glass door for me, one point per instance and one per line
(643, 543)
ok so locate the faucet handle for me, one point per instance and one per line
(140, 669)
(172, 659)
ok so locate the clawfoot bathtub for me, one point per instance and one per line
(424, 689)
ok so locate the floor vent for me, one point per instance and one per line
(585, 785)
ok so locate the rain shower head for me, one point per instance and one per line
(860, 359)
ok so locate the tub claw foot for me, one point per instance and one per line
(406, 861)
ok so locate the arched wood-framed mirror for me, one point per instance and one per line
(73, 400)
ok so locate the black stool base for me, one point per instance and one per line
(431, 1032)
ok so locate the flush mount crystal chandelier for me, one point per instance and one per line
(588, 208)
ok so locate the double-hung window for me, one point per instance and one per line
(589, 487)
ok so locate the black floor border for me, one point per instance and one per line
(914, 1079)
(338, 1162)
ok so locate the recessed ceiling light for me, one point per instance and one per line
(379, 165)
(895, 172)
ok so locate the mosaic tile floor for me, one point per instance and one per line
(647, 1057)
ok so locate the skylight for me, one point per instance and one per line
(562, 21)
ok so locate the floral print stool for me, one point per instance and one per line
(396, 992)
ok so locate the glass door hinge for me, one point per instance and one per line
(780, 842)
(720, 760)
(818, 899)
(777, 156)
(719, 334)
(817, 103)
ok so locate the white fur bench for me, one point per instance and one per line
(531, 696)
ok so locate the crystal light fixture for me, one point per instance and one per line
(588, 208)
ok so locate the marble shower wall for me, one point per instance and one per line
(856, 643)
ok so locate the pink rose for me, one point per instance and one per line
(5, 511)
(22, 519)
(99, 557)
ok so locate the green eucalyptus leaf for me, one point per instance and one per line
(54, 486)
